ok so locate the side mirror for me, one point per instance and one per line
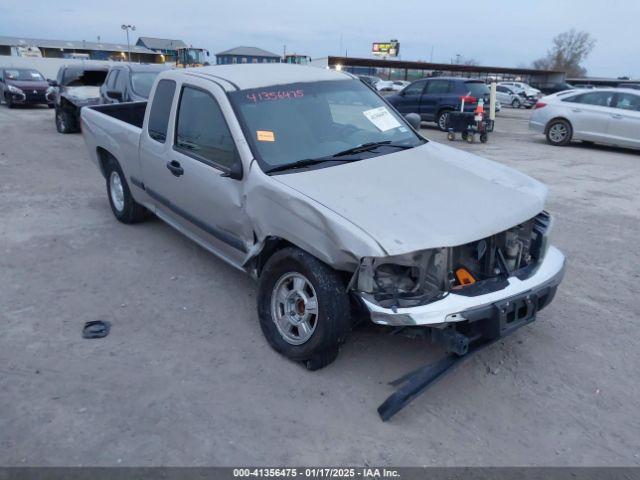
(114, 94)
(52, 83)
(414, 120)
(235, 172)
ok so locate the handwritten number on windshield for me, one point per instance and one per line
(272, 95)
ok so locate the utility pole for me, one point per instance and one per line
(127, 28)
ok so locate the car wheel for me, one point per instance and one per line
(9, 102)
(65, 122)
(443, 119)
(303, 307)
(559, 132)
(516, 103)
(123, 206)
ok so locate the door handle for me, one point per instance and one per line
(175, 168)
(577, 110)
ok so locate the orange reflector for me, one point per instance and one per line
(464, 277)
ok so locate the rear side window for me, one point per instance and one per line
(202, 131)
(627, 101)
(160, 110)
(415, 88)
(476, 89)
(111, 79)
(438, 86)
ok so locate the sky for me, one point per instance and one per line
(507, 33)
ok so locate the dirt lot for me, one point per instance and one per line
(186, 378)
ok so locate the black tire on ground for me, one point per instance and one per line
(130, 211)
(331, 323)
(442, 120)
(559, 132)
(9, 102)
(484, 137)
(65, 121)
(516, 103)
(465, 135)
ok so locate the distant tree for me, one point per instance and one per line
(567, 53)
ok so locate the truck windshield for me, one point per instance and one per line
(298, 122)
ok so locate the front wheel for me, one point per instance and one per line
(516, 103)
(303, 307)
(65, 122)
(443, 120)
(559, 132)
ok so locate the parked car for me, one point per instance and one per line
(549, 88)
(391, 85)
(434, 98)
(605, 115)
(583, 86)
(634, 86)
(507, 96)
(129, 82)
(23, 86)
(76, 86)
(521, 87)
(332, 201)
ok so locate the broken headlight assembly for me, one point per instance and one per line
(421, 277)
(405, 280)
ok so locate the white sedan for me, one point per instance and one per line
(604, 115)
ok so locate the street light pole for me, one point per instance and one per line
(127, 28)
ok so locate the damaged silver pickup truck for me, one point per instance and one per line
(309, 181)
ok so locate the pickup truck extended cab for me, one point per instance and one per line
(308, 180)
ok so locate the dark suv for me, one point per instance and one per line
(433, 98)
(129, 83)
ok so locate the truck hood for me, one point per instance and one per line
(426, 197)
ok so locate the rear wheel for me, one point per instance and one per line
(123, 206)
(303, 307)
(442, 120)
(559, 132)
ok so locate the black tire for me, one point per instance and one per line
(442, 120)
(465, 135)
(559, 132)
(9, 102)
(332, 321)
(484, 137)
(65, 121)
(516, 103)
(131, 211)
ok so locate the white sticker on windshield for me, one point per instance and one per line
(382, 118)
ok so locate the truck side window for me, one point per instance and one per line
(202, 131)
(160, 110)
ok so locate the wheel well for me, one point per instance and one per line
(103, 157)
(271, 246)
(546, 127)
(442, 110)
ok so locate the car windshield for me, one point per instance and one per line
(24, 75)
(476, 89)
(305, 121)
(141, 82)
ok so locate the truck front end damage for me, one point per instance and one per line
(438, 287)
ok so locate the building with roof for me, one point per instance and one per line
(246, 55)
(165, 46)
(75, 49)
(410, 71)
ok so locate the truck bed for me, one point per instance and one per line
(131, 113)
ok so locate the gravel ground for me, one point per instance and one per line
(186, 377)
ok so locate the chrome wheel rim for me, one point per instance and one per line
(116, 191)
(442, 123)
(294, 308)
(558, 132)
